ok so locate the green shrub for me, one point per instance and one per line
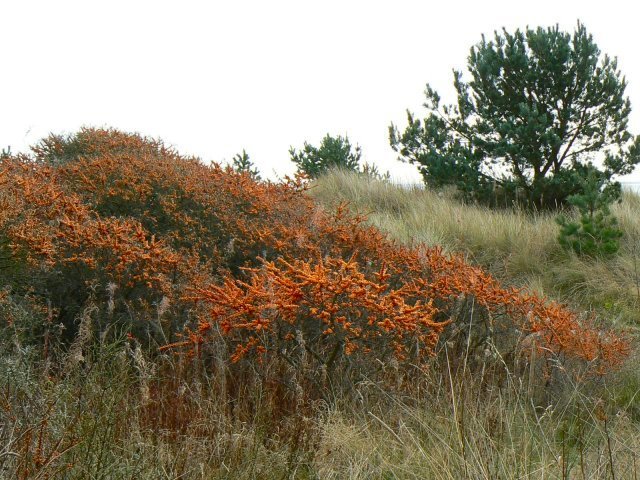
(596, 233)
(333, 152)
(241, 163)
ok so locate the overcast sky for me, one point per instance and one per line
(212, 78)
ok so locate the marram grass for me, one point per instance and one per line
(520, 248)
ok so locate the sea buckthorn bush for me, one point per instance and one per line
(68, 249)
(194, 255)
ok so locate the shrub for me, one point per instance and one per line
(333, 152)
(597, 232)
(359, 295)
(164, 241)
(125, 214)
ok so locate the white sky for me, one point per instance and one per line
(212, 78)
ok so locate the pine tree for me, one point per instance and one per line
(538, 106)
(596, 233)
(242, 163)
(333, 152)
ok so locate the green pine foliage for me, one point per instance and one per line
(596, 232)
(241, 162)
(534, 109)
(333, 152)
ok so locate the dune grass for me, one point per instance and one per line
(520, 248)
(117, 413)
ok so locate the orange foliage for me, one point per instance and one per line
(332, 303)
(559, 329)
(362, 309)
(222, 216)
(50, 227)
(270, 266)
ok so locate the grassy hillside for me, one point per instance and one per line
(519, 248)
(163, 318)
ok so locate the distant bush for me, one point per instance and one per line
(333, 152)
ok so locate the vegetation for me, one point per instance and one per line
(538, 106)
(597, 232)
(166, 318)
(518, 247)
(242, 163)
(332, 152)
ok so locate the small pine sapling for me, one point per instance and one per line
(372, 171)
(242, 163)
(596, 232)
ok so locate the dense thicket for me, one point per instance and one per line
(189, 256)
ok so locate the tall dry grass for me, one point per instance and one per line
(518, 247)
(115, 412)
